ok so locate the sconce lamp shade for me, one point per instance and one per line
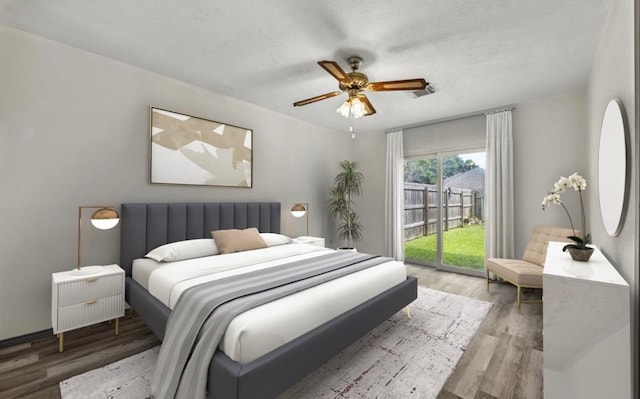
(298, 210)
(105, 218)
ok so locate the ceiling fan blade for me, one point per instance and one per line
(334, 69)
(369, 110)
(408, 84)
(317, 98)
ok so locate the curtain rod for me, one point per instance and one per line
(495, 111)
(453, 118)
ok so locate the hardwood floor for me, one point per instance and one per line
(503, 361)
(33, 370)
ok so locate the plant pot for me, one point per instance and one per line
(580, 254)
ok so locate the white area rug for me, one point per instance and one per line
(399, 359)
(129, 378)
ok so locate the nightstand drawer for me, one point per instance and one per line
(90, 311)
(79, 291)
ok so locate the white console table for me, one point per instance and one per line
(586, 327)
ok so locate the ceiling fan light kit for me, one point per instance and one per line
(354, 83)
(353, 106)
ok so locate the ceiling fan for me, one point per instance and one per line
(354, 83)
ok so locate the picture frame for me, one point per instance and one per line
(189, 150)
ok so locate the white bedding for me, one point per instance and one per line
(262, 329)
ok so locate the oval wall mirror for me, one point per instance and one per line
(612, 168)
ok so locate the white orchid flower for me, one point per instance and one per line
(578, 183)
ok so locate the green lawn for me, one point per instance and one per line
(463, 247)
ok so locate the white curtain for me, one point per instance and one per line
(394, 198)
(499, 229)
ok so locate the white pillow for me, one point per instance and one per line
(181, 250)
(273, 239)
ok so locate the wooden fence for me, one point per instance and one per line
(459, 207)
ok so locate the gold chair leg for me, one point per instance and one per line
(60, 342)
(406, 309)
(487, 270)
(117, 322)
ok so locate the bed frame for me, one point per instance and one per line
(145, 226)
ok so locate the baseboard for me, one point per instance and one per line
(35, 336)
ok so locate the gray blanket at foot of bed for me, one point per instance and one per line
(202, 314)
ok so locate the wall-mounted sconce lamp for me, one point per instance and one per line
(105, 218)
(299, 210)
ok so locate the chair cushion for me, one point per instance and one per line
(536, 250)
(517, 271)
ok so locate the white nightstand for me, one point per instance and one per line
(82, 300)
(317, 241)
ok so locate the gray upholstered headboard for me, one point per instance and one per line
(147, 226)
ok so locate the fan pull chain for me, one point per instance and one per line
(352, 130)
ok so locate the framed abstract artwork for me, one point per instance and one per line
(195, 151)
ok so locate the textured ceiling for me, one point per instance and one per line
(478, 55)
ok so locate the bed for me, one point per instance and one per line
(146, 226)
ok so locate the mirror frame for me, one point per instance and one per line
(613, 173)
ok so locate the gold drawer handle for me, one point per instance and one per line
(91, 301)
(92, 280)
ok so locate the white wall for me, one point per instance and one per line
(548, 142)
(370, 153)
(74, 130)
(613, 76)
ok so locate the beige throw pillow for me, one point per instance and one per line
(234, 240)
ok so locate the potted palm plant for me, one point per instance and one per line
(347, 184)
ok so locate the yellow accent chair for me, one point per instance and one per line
(527, 272)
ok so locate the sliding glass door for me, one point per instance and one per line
(443, 213)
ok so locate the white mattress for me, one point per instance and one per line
(266, 327)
